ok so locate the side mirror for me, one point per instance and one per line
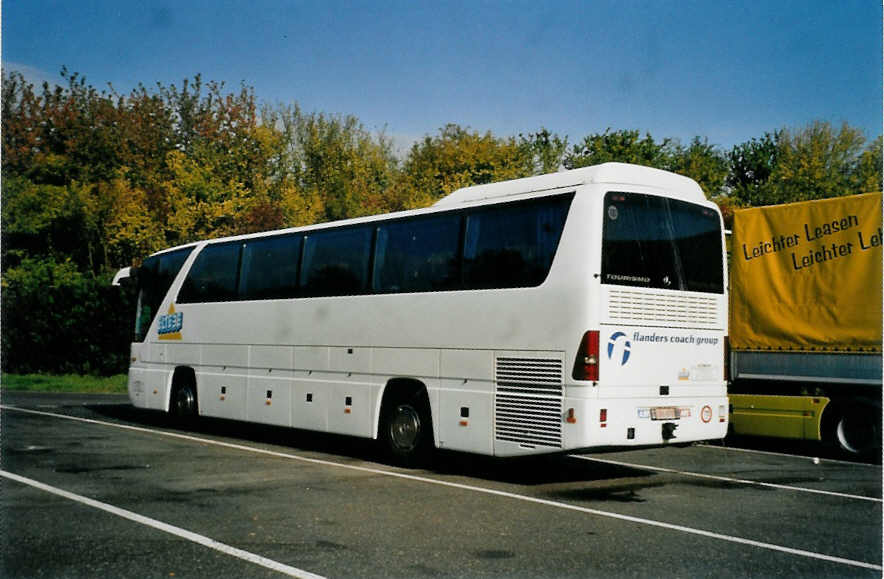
(123, 277)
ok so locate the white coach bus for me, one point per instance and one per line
(575, 310)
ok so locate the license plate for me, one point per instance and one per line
(664, 413)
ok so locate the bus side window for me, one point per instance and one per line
(213, 275)
(270, 268)
(513, 246)
(418, 255)
(336, 262)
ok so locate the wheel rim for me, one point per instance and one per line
(185, 401)
(405, 428)
(856, 432)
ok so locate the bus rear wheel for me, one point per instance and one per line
(406, 430)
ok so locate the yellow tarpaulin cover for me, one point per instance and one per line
(807, 276)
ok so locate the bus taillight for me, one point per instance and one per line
(586, 364)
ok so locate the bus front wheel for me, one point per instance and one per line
(406, 432)
(184, 405)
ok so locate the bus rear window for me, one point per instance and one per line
(661, 243)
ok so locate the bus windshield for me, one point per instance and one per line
(154, 277)
(662, 243)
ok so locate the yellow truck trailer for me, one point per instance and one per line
(805, 322)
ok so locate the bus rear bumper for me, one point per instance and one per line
(644, 422)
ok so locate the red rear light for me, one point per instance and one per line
(586, 364)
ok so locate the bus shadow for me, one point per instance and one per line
(529, 471)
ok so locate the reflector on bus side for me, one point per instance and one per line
(586, 363)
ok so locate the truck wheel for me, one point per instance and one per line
(856, 431)
(406, 430)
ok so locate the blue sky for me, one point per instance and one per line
(724, 70)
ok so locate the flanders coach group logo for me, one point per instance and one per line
(616, 338)
(170, 324)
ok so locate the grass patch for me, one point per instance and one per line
(64, 383)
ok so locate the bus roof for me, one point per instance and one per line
(614, 173)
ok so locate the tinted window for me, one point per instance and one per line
(154, 278)
(418, 255)
(270, 268)
(513, 245)
(661, 243)
(213, 275)
(336, 262)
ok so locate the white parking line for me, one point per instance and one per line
(166, 528)
(727, 479)
(798, 456)
(529, 499)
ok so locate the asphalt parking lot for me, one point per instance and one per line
(94, 487)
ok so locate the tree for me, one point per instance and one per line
(622, 146)
(703, 163)
(148, 135)
(699, 160)
(21, 136)
(336, 167)
(813, 162)
(869, 170)
(458, 157)
(48, 221)
(750, 167)
(816, 162)
(128, 231)
(544, 151)
(200, 204)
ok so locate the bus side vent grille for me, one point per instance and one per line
(650, 308)
(528, 401)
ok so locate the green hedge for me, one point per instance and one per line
(60, 321)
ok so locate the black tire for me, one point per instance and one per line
(854, 428)
(406, 433)
(184, 405)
